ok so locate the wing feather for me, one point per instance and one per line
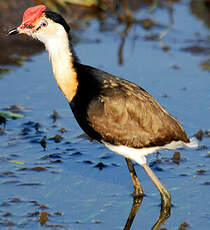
(128, 115)
(117, 111)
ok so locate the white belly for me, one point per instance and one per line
(138, 155)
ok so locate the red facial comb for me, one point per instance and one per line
(32, 13)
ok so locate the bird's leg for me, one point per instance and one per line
(165, 196)
(164, 215)
(138, 191)
(132, 214)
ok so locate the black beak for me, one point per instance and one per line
(13, 32)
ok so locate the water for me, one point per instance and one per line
(66, 178)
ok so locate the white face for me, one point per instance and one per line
(42, 29)
(50, 33)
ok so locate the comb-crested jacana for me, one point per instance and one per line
(113, 111)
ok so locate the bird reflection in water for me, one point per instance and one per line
(164, 214)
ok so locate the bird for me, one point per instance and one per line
(117, 113)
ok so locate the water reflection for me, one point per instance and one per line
(164, 215)
(201, 9)
(134, 209)
(124, 14)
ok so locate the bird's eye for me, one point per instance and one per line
(44, 24)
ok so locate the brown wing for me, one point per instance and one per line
(125, 114)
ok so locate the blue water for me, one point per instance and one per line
(86, 197)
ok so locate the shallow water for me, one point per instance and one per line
(68, 181)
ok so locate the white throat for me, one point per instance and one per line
(57, 44)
